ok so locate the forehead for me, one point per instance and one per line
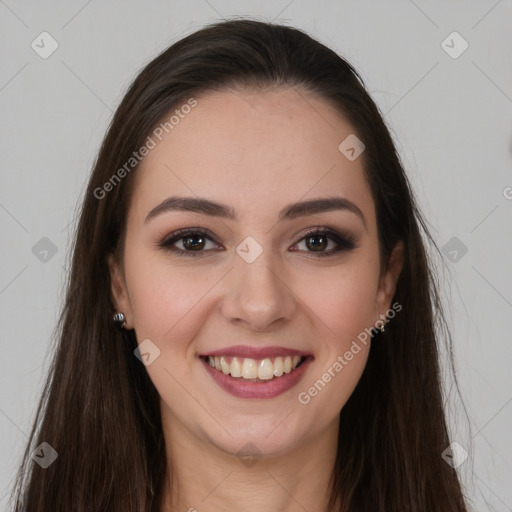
(254, 150)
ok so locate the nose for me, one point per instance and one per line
(258, 294)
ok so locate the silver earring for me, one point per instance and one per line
(120, 320)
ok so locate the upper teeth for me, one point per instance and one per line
(248, 368)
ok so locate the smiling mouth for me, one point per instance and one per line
(255, 370)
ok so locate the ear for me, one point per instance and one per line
(120, 297)
(388, 280)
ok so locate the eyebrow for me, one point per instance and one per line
(208, 207)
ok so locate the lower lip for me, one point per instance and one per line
(248, 389)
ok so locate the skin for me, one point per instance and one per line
(256, 152)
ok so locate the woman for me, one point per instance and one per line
(250, 314)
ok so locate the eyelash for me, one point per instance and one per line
(345, 241)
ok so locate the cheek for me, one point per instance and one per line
(344, 308)
(168, 300)
(164, 298)
(343, 300)
(169, 305)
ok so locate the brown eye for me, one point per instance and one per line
(319, 240)
(185, 242)
(318, 243)
(196, 242)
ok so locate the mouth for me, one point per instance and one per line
(267, 374)
(255, 370)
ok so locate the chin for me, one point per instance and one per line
(257, 438)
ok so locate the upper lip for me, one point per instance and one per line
(256, 353)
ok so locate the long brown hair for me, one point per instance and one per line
(99, 409)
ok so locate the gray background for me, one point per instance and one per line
(450, 116)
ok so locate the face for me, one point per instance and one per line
(258, 279)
